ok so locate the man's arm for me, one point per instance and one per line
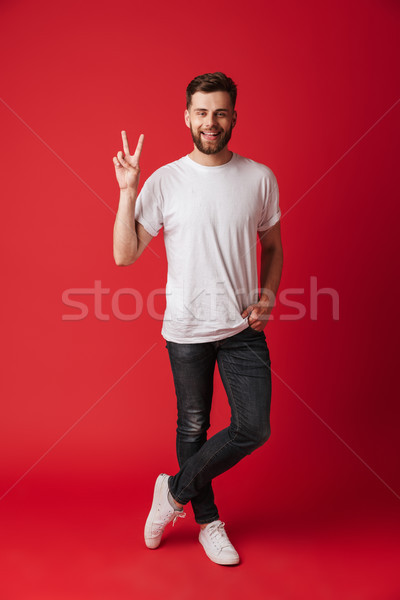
(130, 237)
(270, 276)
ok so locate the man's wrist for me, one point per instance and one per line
(264, 301)
(267, 297)
(128, 194)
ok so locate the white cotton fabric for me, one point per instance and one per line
(210, 217)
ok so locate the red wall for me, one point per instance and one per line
(93, 399)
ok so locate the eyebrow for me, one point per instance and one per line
(216, 110)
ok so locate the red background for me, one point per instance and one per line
(88, 411)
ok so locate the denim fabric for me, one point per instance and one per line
(245, 368)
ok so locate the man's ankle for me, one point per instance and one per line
(173, 502)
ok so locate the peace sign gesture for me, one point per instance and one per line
(127, 168)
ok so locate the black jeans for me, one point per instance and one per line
(245, 368)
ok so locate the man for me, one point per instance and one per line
(211, 204)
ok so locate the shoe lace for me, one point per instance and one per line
(219, 535)
(180, 514)
(160, 526)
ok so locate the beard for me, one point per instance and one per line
(211, 147)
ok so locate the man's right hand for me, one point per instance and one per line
(126, 165)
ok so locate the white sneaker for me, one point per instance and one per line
(161, 513)
(217, 545)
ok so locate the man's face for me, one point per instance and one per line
(211, 119)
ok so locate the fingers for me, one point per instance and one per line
(139, 147)
(254, 322)
(125, 158)
(125, 142)
(247, 311)
(253, 319)
(119, 160)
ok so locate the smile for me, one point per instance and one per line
(209, 135)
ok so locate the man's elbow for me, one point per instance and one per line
(123, 261)
(272, 248)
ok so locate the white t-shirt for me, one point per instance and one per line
(210, 216)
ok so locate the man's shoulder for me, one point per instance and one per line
(168, 168)
(253, 165)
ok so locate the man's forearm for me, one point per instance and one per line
(270, 276)
(125, 238)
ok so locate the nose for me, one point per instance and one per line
(210, 119)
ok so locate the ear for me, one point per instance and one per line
(187, 118)
(234, 118)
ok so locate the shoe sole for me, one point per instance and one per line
(147, 528)
(232, 561)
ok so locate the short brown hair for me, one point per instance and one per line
(211, 82)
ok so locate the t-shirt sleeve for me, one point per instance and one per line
(270, 213)
(148, 206)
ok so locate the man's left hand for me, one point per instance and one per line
(258, 315)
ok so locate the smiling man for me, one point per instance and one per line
(211, 204)
(210, 137)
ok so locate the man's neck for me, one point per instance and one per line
(211, 160)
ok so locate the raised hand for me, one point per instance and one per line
(126, 165)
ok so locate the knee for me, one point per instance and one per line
(255, 439)
(193, 429)
(264, 436)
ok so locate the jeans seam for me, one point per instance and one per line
(226, 443)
